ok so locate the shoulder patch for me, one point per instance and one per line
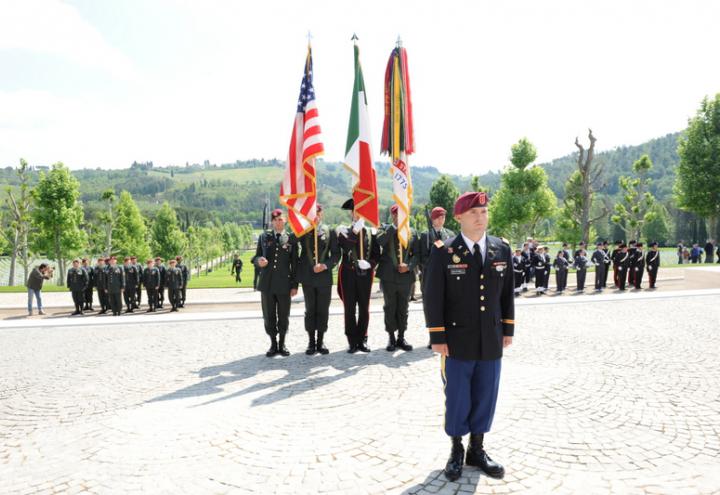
(439, 244)
(505, 241)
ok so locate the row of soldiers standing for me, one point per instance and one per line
(115, 283)
(629, 263)
(285, 262)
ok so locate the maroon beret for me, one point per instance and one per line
(470, 200)
(437, 212)
(276, 213)
(318, 208)
(394, 209)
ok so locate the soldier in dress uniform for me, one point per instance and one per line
(77, 282)
(598, 260)
(527, 254)
(161, 290)
(115, 285)
(355, 277)
(615, 257)
(581, 247)
(623, 263)
(151, 281)
(518, 271)
(314, 272)
(608, 262)
(470, 268)
(396, 269)
(138, 285)
(100, 274)
(185, 279)
(541, 264)
(581, 263)
(236, 268)
(638, 266)
(428, 238)
(652, 261)
(131, 281)
(173, 282)
(631, 262)
(561, 265)
(88, 296)
(276, 258)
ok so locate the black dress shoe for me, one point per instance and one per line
(402, 343)
(453, 468)
(311, 348)
(476, 456)
(391, 345)
(273, 349)
(320, 346)
(352, 349)
(363, 348)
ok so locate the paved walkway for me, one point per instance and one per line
(601, 397)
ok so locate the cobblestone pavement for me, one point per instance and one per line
(606, 397)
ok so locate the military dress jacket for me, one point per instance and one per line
(328, 255)
(115, 279)
(279, 275)
(132, 276)
(77, 279)
(469, 307)
(387, 239)
(349, 244)
(173, 278)
(151, 277)
(100, 275)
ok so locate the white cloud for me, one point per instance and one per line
(53, 27)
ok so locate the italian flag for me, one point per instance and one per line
(358, 154)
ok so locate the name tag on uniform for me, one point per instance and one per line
(460, 269)
(499, 265)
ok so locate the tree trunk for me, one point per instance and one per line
(711, 225)
(13, 258)
(59, 259)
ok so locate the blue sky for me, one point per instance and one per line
(103, 83)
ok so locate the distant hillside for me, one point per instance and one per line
(237, 191)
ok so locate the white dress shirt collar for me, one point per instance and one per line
(471, 245)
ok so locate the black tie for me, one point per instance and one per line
(477, 254)
(277, 237)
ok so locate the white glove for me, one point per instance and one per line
(358, 226)
(364, 265)
(341, 230)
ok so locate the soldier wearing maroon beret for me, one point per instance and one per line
(276, 260)
(469, 312)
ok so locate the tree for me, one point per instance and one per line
(567, 227)
(444, 193)
(16, 235)
(697, 183)
(129, 232)
(522, 153)
(107, 218)
(57, 216)
(193, 252)
(476, 186)
(636, 205)
(167, 238)
(657, 228)
(589, 182)
(523, 198)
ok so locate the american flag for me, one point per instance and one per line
(297, 191)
